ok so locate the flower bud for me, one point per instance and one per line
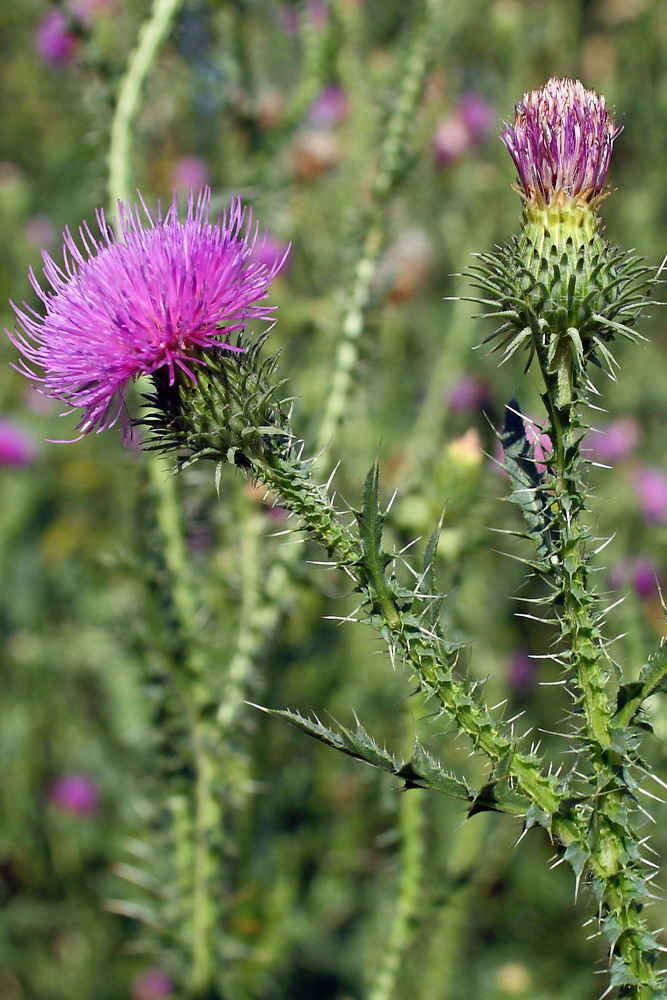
(559, 288)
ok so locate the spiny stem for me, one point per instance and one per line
(207, 810)
(424, 650)
(610, 839)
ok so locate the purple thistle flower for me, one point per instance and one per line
(640, 572)
(270, 252)
(153, 296)
(189, 172)
(612, 443)
(55, 42)
(651, 489)
(522, 671)
(468, 394)
(476, 114)
(329, 107)
(16, 445)
(561, 142)
(74, 793)
(152, 984)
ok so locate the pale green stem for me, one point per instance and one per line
(411, 859)
(250, 524)
(449, 924)
(207, 818)
(153, 33)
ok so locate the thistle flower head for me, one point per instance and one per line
(561, 142)
(154, 295)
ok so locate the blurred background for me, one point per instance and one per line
(288, 104)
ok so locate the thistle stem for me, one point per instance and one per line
(425, 650)
(609, 834)
(407, 906)
(207, 811)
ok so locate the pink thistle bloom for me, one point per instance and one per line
(640, 572)
(561, 143)
(40, 231)
(270, 252)
(153, 984)
(451, 140)
(468, 394)
(54, 40)
(74, 793)
(16, 445)
(522, 671)
(190, 172)
(651, 487)
(329, 107)
(476, 114)
(612, 443)
(89, 10)
(153, 296)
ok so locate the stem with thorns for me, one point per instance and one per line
(610, 835)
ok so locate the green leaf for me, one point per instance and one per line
(652, 679)
(421, 771)
(424, 771)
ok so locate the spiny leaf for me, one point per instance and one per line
(421, 771)
(652, 678)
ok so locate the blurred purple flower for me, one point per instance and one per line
(612, 443)
(74, 793)
(40, 231)
(468, 394)
(645, 578)
(477, 115)
(521, 671)
(561, 142)
(329, 107)
(451, 140)
(152, 984)
(641, 573)
(270, 253)
(651, 489)
(16, 445)
(55, 42)
(190, 173)
(152, 297)
(289, 16)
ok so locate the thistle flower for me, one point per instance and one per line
(153, 296)
(16, 445)
(152, 984)
(561, 143)
(560, 290)
(74, 793)
(651, 491)
(55, 41)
